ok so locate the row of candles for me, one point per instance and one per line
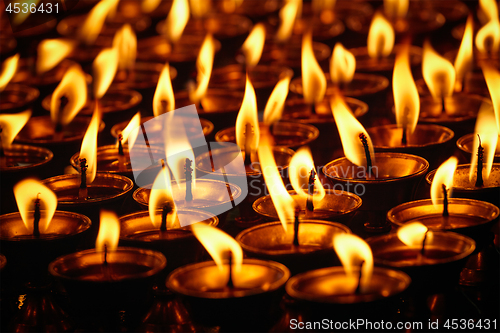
(385, 164)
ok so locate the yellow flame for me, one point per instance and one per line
(438, 72)
(161, 194)
(254, 44)
(276, 101)
(444, 175)
(199, 8)
(23, 14)
(104, 69)
(342, 65)
(131, 130)
(313, 78)
(73, 87)
(488, 37)
(349, 129)
(396, 9)
(488, 10)
(51, 52)
(109, 232)
(288, 14)
(487, 129)
(9, 68)
(406, 99)
(300, 168)
(381, 37)
(352, 251)
(413, 234)
(218, 243)
(204, 65)
(176, 20)
(148, 6)
(89, 145)
(92, 26)
(10, 125)
(163, 99)
(248, 120)
(492, 78)
(282, 201)
(463, 62)
(126, 43)
(26, 192)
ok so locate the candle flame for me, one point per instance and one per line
(73, 87)
(313, 78)
(131, 131)
(148, 6)
(300, 168)
(406, 99)
(10, 125)
(342, 65)
(204, 65)
(160, 195)
(488, 10)
(125, 41)
(109, 232)
(488, 37)
(492, 78)
(218, 243)
(89, 145)
(438, 72)
(163, 99)
(276, 102)
(464, 60)
(396, 9)
(92, 26)
(26, 192)
(21, 16)
(199, 8)
(51, 52)
(413, 234)
(254, 44)
(9, 68)
(290, 11)
(248, 121)
(282, 201)
(487, 130)
(381, 37)
(443, 176)
(104, 69)
(349, 129)
(352, 251)
(176, 20)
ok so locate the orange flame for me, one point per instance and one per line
(290, 11)
(199, 8)
(487, 10)
(492, 78)
(413, 234)
(283, 202)
(349, 129)
(487, 129)
(89, 145)
(131, 131)
(176, 20)
(51, 52)
(21, 16)
(161, 194)
(9, 68)
(342, 65)
(104, 69)
(218, 243)
(276, 102)
(352, 251)
(254, 44)
(463, 62)
(396, 9)
(26, 192)
(488, 37)
(109, 232)
(73, 87)
(126, 43)
(406, 99)
(248, 121)
(204, 65)
(300, 168)
(381, 37)
(443, 176)
(148, 6)
(163, 99)
(92, 26)
(10, 125)
(438, 72)
(313, 78)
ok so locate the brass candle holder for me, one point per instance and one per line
(466, 145)
(383, 65)
(45, 82)
(289, 54)
(17, 97)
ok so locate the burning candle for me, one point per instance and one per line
(14, 97)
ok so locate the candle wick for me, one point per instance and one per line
(364, 142)
(167, 209)
(2, 153)
(479, 170)
(230, 283)
(146, 140)
(62, 105)
(36, 217)
(120, 145)
(443, 106)
(404, 139)
(358, 288)
(248, 140)
(445, 200)
(164, 106)
(83, 192)
(422, 251)
(296, 227)
(189, 179)
(310, 191)
(313, 108)
(105, 260)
